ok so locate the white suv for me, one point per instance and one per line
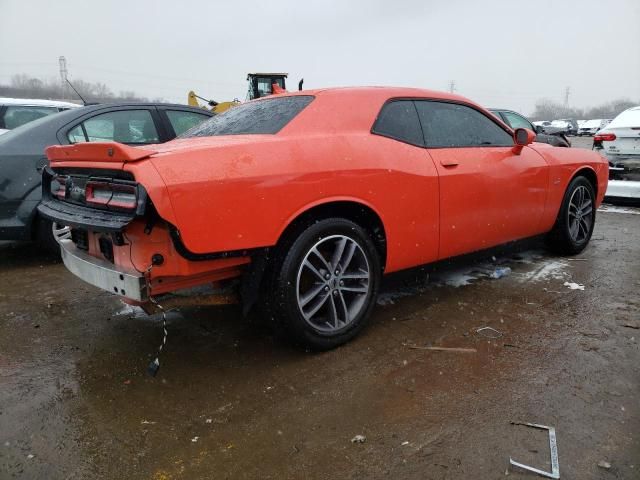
(619, 142)
(15, 112)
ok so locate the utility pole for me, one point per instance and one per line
(63, 75)
(452, 86)
(566, 96)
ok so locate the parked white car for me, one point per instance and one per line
(15, 112)
(542, 123)
(591, 127)
(620, 141)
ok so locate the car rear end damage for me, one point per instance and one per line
(118, 240)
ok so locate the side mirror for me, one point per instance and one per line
(522, 138)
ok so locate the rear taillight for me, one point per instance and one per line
(59, 187)
(111, 195)
(604, 137)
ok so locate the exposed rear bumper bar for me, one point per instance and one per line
(102, 274)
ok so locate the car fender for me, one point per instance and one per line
(326, 201)
(564, 165)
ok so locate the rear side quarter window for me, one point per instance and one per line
(398, 119)
(182, 120)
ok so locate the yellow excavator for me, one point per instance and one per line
(260, 85)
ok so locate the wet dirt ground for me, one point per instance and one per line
(233, 401)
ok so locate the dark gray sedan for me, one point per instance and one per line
(22, 155)
(551, 135)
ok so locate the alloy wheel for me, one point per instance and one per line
(580, 214)
(60, 232)
(333, 282)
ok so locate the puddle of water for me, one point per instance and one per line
(542, 268)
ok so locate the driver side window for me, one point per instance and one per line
(454, 125)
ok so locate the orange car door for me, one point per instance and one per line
(488, 194)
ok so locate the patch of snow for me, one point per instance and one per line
(623, 189)
(130, 310)
(456, 278)
(550, 269)
(574, 286)
(500, 272)
(616, 209)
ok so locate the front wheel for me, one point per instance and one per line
(576, 220)
(325, 287)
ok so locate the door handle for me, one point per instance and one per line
(449, 163)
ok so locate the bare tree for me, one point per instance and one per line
(549, 110)
(24, 86)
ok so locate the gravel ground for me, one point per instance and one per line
(232, 401)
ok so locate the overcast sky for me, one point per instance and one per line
(501, 53)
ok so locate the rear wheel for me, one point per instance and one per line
(324, 285)
(576, 220)
(49, 233)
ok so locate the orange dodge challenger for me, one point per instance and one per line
(304, 199)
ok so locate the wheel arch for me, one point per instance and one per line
(356, 210)
(590, 175)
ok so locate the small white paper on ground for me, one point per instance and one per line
(574, 286)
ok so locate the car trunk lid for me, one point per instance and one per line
(102, 152)
(627, 141)
(216, 141)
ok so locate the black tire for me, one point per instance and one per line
(563, 238)
(282, 287)
(45, 237)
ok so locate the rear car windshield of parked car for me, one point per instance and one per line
(266, 116)
(398, 119)
(15, 116)
(454, 125)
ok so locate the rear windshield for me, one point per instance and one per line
(266, 116)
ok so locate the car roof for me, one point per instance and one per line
(491, 109)
(37, 102)
(356, 108)
(144, 104)
(383, 91)
(45, 129)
